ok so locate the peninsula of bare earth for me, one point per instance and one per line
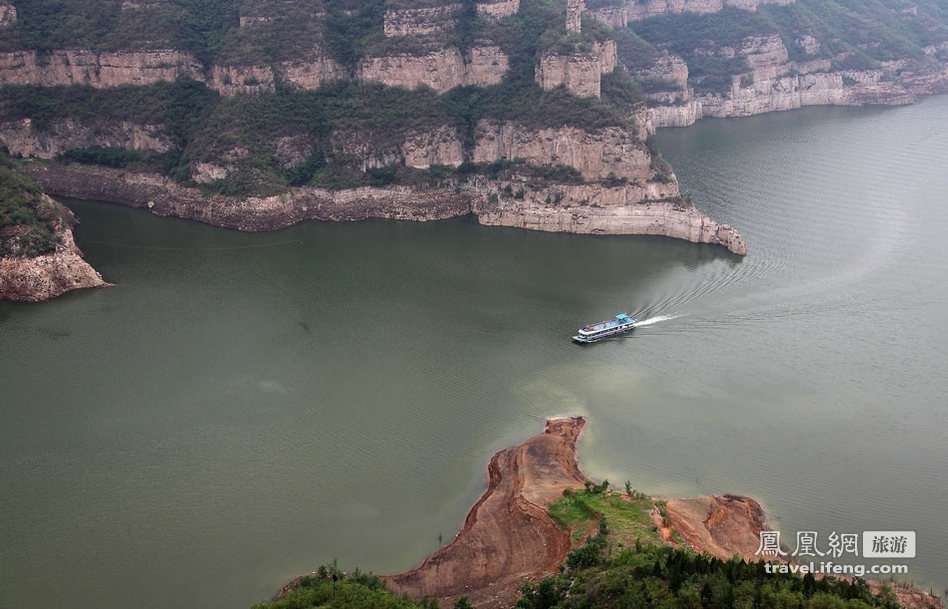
(542, 535)
(256, 115)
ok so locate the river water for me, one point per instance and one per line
(244, 407)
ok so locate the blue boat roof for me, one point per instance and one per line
(622, 318)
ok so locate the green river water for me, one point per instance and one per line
(243, 407)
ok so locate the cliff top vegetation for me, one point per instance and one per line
(28, 221)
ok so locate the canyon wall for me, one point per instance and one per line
(774, 83)
(25, 138)
(97, 69)
(621, 13)
(611, 151)
(442, 69)
(595, 214)
(580, 72)
(637, 208)
(498, 9)
(7, 14)
(420, 21)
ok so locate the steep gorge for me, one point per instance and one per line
(515, 110)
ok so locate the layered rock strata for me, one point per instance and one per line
(582, 208)
(622, 13)
(775, 83)
(580, 72)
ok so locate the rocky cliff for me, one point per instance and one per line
(601, 210)
(595, 154)
(7, 14)
(97, 69)
(44, 277)
(638, 208)
(442, 68)
(498, 9)
(25, 138)
(774, 82)
(622, 12)
(580, 71)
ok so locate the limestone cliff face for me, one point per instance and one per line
(231, 80)
(627, 11)
(677, 115)
(25, 138)
(665, 80)
(50, 275)
(313, 71)
(601, 210)
(164, 197)
(579, 72)
(498, 9)
(631, 209)
(609, 152)
(7, 14)
(421, 150)
(789, 92)
(420, 21)
(595, 155)
(105, 69)
(442, 69)
(774, 83)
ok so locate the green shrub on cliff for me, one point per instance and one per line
(27, 221)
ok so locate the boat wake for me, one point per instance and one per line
(655, 320)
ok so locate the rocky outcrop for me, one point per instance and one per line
(7, 14)
(581, 208)
(420, 21)
(677, 115)
(774, 83)
(25, 138)
(231, 80)
(665, 80)
(313, 71)
(421, 150)
(97, 69)
(594, 209)
(50, 275)
(113, 69)
(580, 72)
(595, 155)
(442, 68)
(623, 12)
(791, 92)
(164, 197)
(498, 9)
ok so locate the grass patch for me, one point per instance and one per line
(627, 516)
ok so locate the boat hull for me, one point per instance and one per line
(585, 340)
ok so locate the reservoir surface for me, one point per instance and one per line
(244, 407)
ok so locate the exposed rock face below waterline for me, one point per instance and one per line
(622, 212)
(648, 218)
